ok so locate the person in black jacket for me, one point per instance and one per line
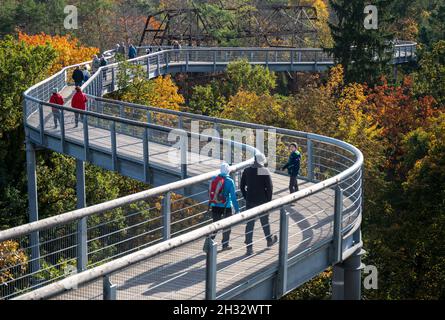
(78, 77)
(257, 189)
(293, 167)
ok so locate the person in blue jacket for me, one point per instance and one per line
(222, 210)
(132, 52)
(293, 167)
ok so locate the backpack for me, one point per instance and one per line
(216, 195)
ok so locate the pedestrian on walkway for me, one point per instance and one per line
(96, 63)
(257, 189)
(78, 77)
(104, 63)
(293, 167)
(222, 196)
(132, 52)
(79, 102)
(86, 74)
(56, 98)
(177, 48)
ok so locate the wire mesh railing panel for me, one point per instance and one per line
(123, 230)
(173, 275)
(235, 266)
(27, 264)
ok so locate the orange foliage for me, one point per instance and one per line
(397, 111)
(68, 48)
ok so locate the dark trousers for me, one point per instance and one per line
(76, 118)
(56, 117)
(251, 225)
(219, 214)
(293, 184)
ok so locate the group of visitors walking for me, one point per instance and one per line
(256, 188)
(78, 101)
(121, 49)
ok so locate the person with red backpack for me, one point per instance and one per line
(222, 196)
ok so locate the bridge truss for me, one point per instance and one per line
(266, 25)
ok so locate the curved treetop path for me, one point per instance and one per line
(128, 248)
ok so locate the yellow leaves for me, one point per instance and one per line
(10, 256)
(336, 79)
(68, 48)
(263, 109)
(352, 97)
(165, 94)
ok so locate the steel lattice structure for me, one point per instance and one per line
(271, 25)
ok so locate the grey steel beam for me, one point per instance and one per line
(281, 287)
(33, 209)
(166, 215)
(211, 269)
(82, 227)
(338, 219)
(338, 282)
(352, 276)
(109, 289)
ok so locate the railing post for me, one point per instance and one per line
(146, 156)
(121, 111)
(166, 215)
(267, 58)
(187, 58)
(109, 289)
(113, 79)
(113, 147)
(86, 138)
(148, 67)
(228, 151)
(167, 61)
(310, 161)
(211, 268)
(62, 131)
(338, 217)
(292, 60)
(316, 61)
(159, 64)
(214, 61)
(281, 284)
(82, 228)
(42, 125)
(184, 154)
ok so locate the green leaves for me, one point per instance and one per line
(430, 78)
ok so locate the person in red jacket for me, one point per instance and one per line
(56, 98)
(79, 102)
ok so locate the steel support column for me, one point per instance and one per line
(33, 205)
(338, 283)
(82, 229)
(211, 268)
(346, 282)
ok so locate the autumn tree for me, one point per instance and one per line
(69, 50)
(430, 78)
(397, 112)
